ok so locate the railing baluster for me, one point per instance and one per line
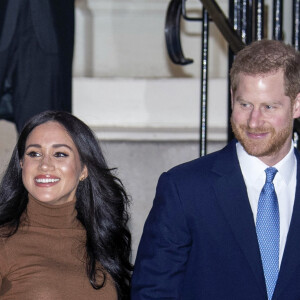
(259, 20)
(245, 24)
(237, 16)
(277, 20)
(204, 77)
(296, 44)
(234, 13)
(296, 24)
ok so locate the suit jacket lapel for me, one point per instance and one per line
(291, 255)
(233, 199)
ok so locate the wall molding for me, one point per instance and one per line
(149, 109)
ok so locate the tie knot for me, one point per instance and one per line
(270, 172)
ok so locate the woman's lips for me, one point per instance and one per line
(46, 180)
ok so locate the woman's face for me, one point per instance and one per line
(51, 167)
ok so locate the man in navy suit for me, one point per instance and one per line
(203, 237)
(36, 52)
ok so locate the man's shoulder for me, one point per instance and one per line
(205, 163)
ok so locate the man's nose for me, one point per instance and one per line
(255, 118)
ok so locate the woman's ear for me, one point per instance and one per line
(84, 173)
(21, 164)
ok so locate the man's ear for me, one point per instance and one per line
(231, 97)
(296, 107)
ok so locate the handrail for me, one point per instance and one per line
(216, 14)
(237, 35)
(172, 33)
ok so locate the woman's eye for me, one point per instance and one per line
(33, 154)
(60, 154)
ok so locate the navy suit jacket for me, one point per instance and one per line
(199, 240)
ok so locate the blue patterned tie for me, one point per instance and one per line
(267, 230)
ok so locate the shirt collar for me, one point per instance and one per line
(253, 167)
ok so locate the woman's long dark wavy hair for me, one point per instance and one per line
(101, 203)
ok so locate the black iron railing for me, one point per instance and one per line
(245, 24)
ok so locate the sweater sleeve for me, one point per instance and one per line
(3, 261)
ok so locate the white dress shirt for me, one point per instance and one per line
(253, 170)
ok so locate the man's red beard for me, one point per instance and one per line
(265, 146)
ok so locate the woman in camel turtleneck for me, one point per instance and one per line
(63, 216)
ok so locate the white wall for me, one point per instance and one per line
(125, 85)
(120, 38)
(149, 109)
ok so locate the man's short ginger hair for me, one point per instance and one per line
(268, 57)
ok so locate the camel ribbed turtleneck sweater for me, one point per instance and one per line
(45, 259)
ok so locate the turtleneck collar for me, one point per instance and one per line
(62, 216)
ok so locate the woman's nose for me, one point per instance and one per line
(46, 163)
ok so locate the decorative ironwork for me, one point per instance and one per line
(277, 20)
(259, 20)
(296, 24)
(204, 83)
(245, 24)
(172, 33)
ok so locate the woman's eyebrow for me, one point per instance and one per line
(33, 145)
(54, 146)
(62, 145)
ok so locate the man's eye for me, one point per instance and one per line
(244, 104)
(33, 154)
(60, 154)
